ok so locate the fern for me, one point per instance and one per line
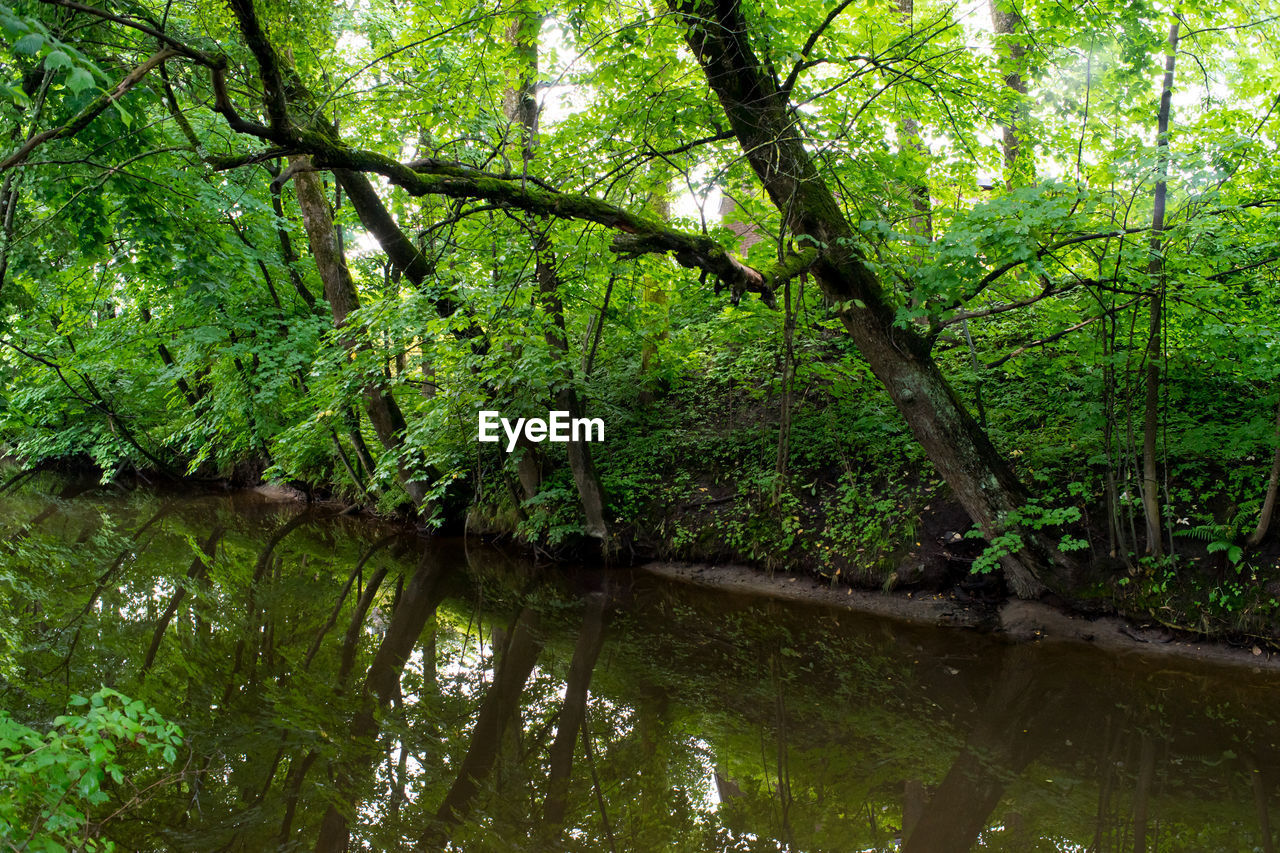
(1205, 532)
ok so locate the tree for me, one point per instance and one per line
(786, 105)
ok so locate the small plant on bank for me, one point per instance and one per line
(1032, 516)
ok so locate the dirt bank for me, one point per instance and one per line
(1018, 621)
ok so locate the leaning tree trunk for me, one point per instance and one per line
(388, 421)
(763, 122)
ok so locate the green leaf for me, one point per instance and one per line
(79, 80)
(57, 59)
(29, 44)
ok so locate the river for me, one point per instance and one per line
(345, 684)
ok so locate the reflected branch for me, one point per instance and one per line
(573, 711)
(199, 567)
(501, 704)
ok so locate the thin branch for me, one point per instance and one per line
(175, 45)
(790, 82)
(1230, 28)
(990, 278)
(1047, 291)
(1219, 276)
(89, 113)
(1056, 336)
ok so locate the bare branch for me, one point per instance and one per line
(809, 43)
(991, 277)
(1047, 291)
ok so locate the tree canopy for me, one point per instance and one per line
(1019, 259)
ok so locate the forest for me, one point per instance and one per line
(973, 303)
(899, 295)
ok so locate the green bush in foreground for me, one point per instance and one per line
(54, 781)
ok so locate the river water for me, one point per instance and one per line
(343, 684)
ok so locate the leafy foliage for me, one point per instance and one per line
(57, 781)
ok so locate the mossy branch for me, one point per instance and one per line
(640, 234)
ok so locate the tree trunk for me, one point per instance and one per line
(1142, 797)
(921, 222)
(1155, 348)
(960, 450)
(417, 605)
(1273, 485)
(1258, 782)
(998, 749)
(500, 707)
(199, 567)
(167, 357)
(653, 292)
(1007, 24)
(384, 413)
(287, 255)
(521, 105)
(574, 708)
(788, 379)
(590, 492)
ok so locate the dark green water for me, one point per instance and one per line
(484, 703)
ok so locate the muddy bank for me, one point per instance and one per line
(1018, 621)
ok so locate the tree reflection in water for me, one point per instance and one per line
(477, 702)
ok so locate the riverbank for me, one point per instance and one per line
(1018, 621)
(1156, 611)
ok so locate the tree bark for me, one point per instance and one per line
(287, 255)
(397, 245)
(384, 413)
(581, 464)
(522, 107)
(1007, 23)
(763, 122)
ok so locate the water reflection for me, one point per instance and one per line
(347, 686)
